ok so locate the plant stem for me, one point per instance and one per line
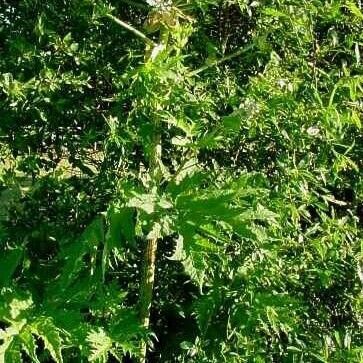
(149, 262)
(146, 289)
(133, 30)
(221, 60)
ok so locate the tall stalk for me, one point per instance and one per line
(150, 253)
(146, 288)
(149, 261)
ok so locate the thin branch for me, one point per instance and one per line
(133, 30)
(222, 60)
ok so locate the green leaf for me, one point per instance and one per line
(193, 258)
(28, 343)
(13, 353)
(73, 254)
(186, 345)
(187, 127)
(9, 261)
(45, 329)
(208, 206)
(100, 345)
(179, 253)
(9, 344)
(6, 342)
(144, 202)
(121, 226)
(205, 309)
(195, 267)
(275, 13)
(232, 122)
(353, 8)
(121, 231)
(93, 235)
(189, 178)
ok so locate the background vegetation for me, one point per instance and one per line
(229, 133)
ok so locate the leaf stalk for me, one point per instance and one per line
(133, 30)
(221, 60)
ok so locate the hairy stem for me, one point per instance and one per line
(146, 288)
(133, 30)
(222, 60)
(149, 262)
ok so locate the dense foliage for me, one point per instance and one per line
(229, 131)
